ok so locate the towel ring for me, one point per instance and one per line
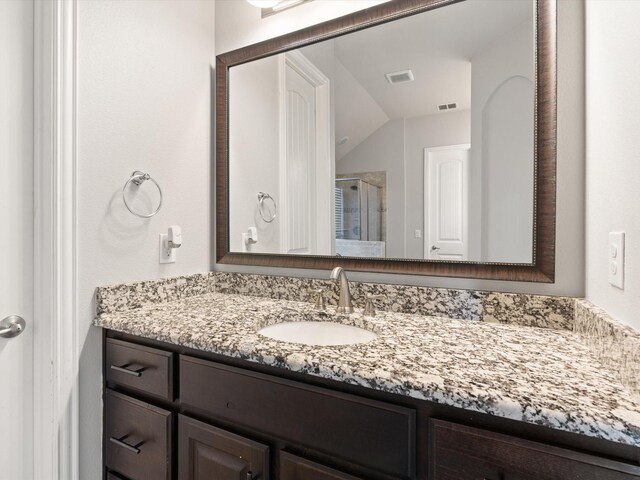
(138, 178)
(261, 198)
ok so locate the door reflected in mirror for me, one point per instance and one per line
(412, 139)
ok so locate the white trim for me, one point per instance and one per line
(324, 170)
(55, 321)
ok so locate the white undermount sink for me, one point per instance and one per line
(317, 333)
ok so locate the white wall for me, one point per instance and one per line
(502, 169)
(254, 144)
(143, 102)
(613, 152)
(438, 130)
(238, 24)
(357, 115)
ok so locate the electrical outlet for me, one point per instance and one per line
(418, 233)
(167, 255)
(616, 259)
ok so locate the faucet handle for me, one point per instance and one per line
(319, 297)
(369, 307)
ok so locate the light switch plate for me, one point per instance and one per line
(616, 259)
(167, 255)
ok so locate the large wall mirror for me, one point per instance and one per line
(414, 137)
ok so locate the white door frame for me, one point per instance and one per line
(55, 325)
(323, 173)
(425, 201)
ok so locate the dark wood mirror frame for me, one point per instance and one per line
(542, 268)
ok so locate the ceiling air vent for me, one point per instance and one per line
(402, 76)
(447, 106)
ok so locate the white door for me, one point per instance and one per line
(16, 236)
(446, 202)
(306, 169)
(300, 163)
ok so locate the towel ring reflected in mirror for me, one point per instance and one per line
(538, 260)
(271, 214)
(138, 178)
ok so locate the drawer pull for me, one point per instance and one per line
(121, 443)
(124, 369)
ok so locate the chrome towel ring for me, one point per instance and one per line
(138, 178)
(262, 197)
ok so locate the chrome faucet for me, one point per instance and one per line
(344, 303)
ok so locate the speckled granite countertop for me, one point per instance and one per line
(537, 375)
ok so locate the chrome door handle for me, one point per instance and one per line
(434, 248)
(12, 326)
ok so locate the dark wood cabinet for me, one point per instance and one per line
(191, 416)
(148, 370)
(297, 468)
(376, 435)
(137, 438)
(115, 476)
(459, 452)
(207, 453)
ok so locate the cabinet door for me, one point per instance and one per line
(459, 452)
(296, 468)
(368, 433)
(207, 452)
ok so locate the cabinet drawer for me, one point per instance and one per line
(208, 452)
(368, 433)
(296, 468)
(465, 453)
(145, 369)
(137, 438)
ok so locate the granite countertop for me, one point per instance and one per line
(536, 375)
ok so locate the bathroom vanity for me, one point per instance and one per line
(454, 385)
(191, 388)
(245, 422)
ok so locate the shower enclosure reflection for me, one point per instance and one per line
(413, 139)
(359, 231)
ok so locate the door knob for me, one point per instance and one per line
(12, 326)
(434, 248)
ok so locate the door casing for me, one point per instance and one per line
(56, 365)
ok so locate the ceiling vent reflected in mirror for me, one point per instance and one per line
(447, 106)
(305, 111)
(403, 76)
